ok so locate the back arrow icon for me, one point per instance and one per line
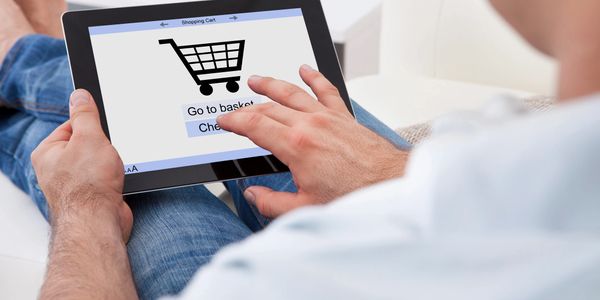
(163, 24)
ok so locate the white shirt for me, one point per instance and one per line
(494, 206)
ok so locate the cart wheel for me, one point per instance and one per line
(233, 86)
(206, 89)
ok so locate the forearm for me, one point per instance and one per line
(88, 260)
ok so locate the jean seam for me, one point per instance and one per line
(40, 105)
(45, 108)
(48, 109)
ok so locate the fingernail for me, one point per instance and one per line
(254, 79)
(307, 68)
(220, 119)
(250, 196)
(79, 97)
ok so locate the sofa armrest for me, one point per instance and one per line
(404, 100)
(417, 133)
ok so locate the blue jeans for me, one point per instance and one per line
(175, 232)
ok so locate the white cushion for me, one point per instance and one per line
(20, 279)
(23, 244)
(405, 100)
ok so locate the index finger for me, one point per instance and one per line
(61, 134)
(260, 129)
(284, 93)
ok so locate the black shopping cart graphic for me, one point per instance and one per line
(212, 58)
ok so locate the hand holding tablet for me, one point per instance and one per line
(163, 75)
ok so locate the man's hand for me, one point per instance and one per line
(327, 151)
(79, 170)
(82, 177)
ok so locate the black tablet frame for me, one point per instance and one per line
(83, 68)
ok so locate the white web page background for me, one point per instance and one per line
(145, 85)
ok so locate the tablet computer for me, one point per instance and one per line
(162, 74)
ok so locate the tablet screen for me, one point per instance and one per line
(164, 83)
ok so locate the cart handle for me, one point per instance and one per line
(167, 41)
(181, 57)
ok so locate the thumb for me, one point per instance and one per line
(273, 204)
(85, 119)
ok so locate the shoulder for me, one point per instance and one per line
(520, 169)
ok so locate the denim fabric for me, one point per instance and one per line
(175, 232)
(35, 84)
(35, 78)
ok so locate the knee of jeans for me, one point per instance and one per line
(175, 233)
(37, 78)
(163, 266)
(47, 91)
(167, 249)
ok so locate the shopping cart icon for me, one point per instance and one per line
(212, 58)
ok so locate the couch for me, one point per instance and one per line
(437, 56)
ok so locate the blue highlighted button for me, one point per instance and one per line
(204, 128)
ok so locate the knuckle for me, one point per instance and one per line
(297, 93)
(270, 105)
(79, 112)
(268, 80)
(269, 83)
(314, 76)
(75, 114)
(264, 207)
(289, 90)
(342, 114)
(253, 120)
(266, 107)
(248, 109)
(84, 118)
(331, 89)
(35, 157)
(300, 139)
(319, 119)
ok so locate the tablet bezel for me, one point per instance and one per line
(83, 68)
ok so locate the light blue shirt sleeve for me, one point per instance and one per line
(495, 210)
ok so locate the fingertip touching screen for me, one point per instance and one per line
(164, 83)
